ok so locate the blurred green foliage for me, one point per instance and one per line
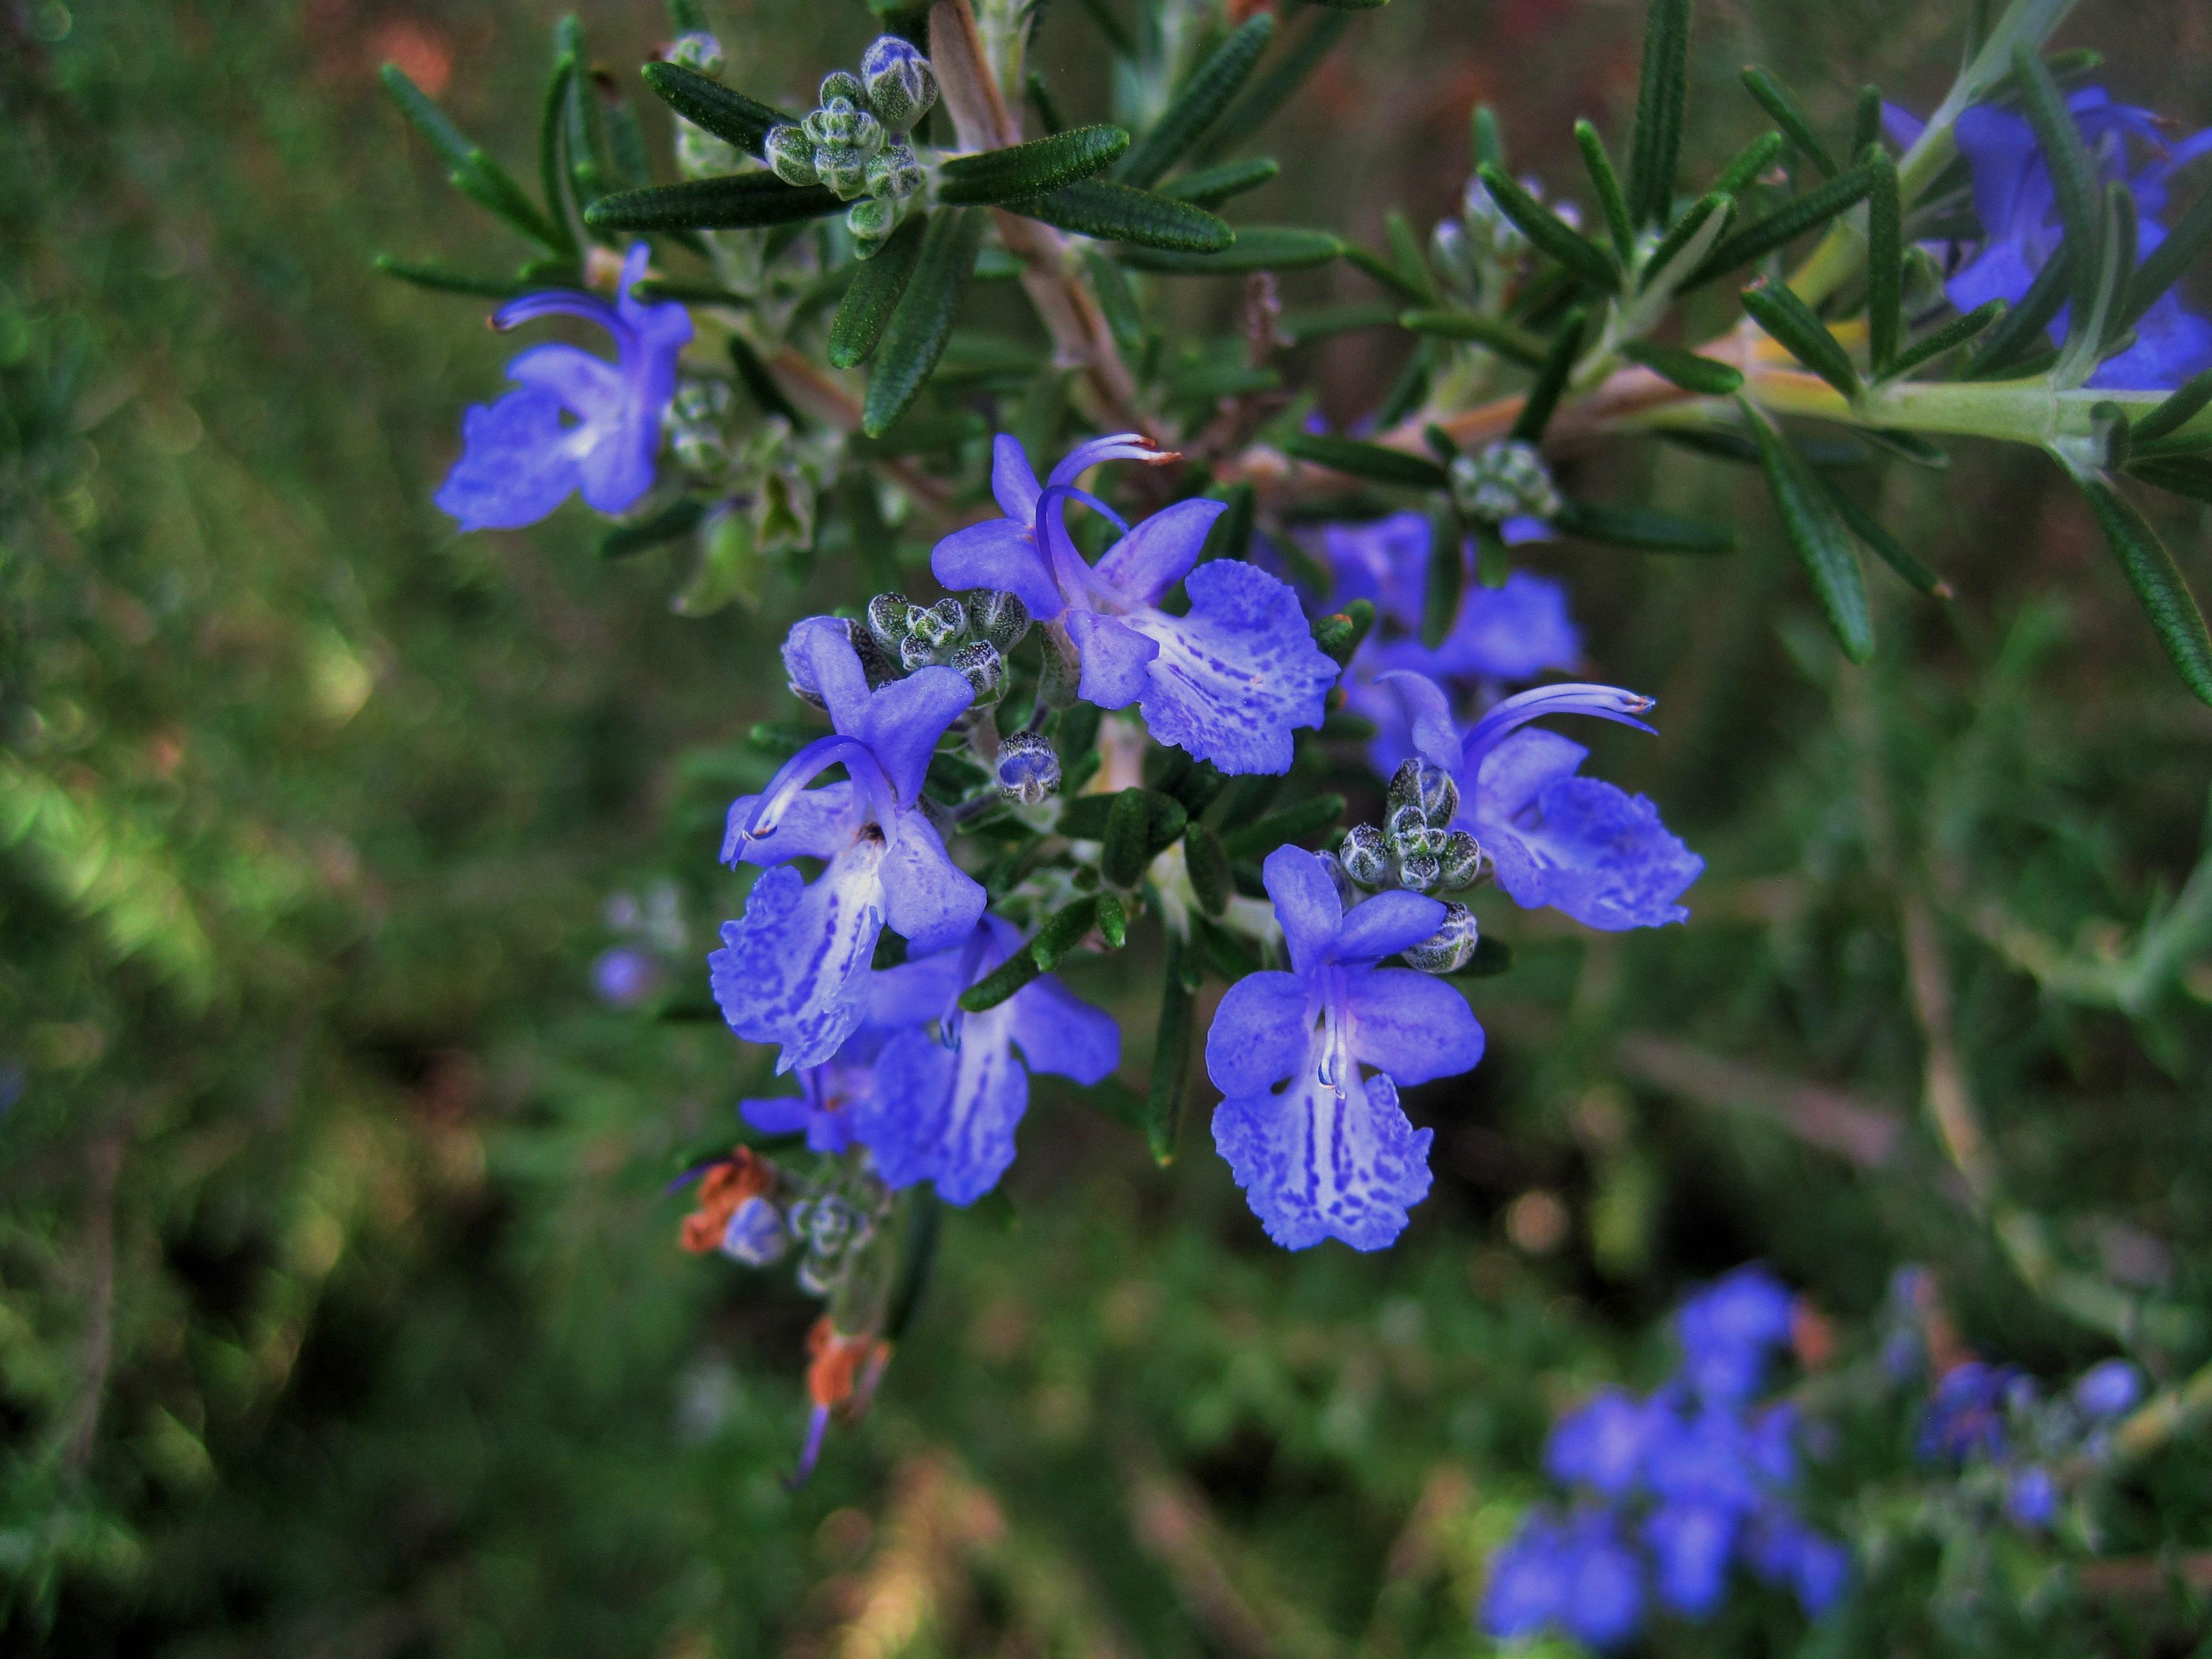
(339, 1311)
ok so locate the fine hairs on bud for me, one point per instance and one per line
(996, 615)
(1448, 950)
(791, 155)
(985, 669)
(1365, 856)
(887, 619)
(899, 83)
(1029, 768)
(697, 50)
(1427, 787)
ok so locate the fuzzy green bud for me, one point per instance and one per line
(791, 155)
(1505, 480)
(996, 615)
(1448, 949)
(1365, 856)
(901, 85)
(887, 619)
(984, 669)
(895, 171)
(698, 51)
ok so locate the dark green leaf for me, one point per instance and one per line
(1884, 264)
(1317, 321)
(1001, 982)
(1066, 928)
(1643, 528)
(1036, 168)
(1293, 823)
(688, 294)
(2023, 328)
(876, 288)
(1659, 96)
(1047, 107)
(1492, 564)
(677, 520)
(1543, 397)
(1817, 532)
(1210, 186)
(922, 323)
(740, 202)
(1488, 139)
(1339, 633)
(1089, 817)
(1407, 257)
(1606, 183)
(760, 385)
(1866, 120)
(729, 116)
(1552, 236)
(1703, 375)
(1442, 590)
(1171, 1052)
(1210, 880)
(1386, 272)
(1230, 537)
(1275, 89)
(2184, 245)
(1786, 224)
(2158, 586)
(1199, 103)
(1754, 158)
(1885, 547)
(1364, 460)
(551, 178)
(471, 172)
(2188, 476)
(1120, 213)
(1948, 339)
(1123, 857)
(423, 274)
(2073, 176)
(918, 434)
(1674, 249)
(1790, 115)
(1257, 247)
(1516, 345)
(2176, 411)
(1789, 321)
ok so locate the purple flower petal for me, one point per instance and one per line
(1316, 1164)
(1059, 1032)
(1117, 661)
(1391, 921)
(999, 553)
(1413, 1025)
(928, 900)
(1160, 551)
(793, 969)
(1260, 1035)
(515, 467)
(1305, 903)
(902, 721)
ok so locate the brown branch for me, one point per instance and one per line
(1070, 311)
(1863, 1134)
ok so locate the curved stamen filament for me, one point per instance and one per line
(1609, 702)
(809, 763)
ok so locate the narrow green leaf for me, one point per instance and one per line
(1036, 168)
(471, 172)
(1686, 369)
(1119, 212)
(1789, 321)
(1209, 187)
(689, 293)
(1201, 102)
(1293, 823)
(922, 323)
(1489, 139)
(1171, 1052)
(443, 281)
(1314, 322)
(2158, 584)
(1884, 262)
(1866, 120)
(1230, 537)
(551, 176)
(1123, 857)
(1551, 380)
(2168, 262)
(2024, 327)
(1660, 95)
(2186, 476)
(672, 522)
(1047, 107)
(1257, 247)
(760, 385)
(2072, 174)
(1387, 273)
(1340, 634)
(878, 285)
(1208, 864)
(705, 102)
(1001, 982)
(1494, 564)
(1064, 930)
(625, 139)
(1948, 339)
(1089, 817)
(1446, 583)
(1754, 158)
(1364, 461)
(1277, 87)
(1786, 224)
(1552, 236)
(1514, 344)
(1790, 115)
(1680, 252)
(919, 435)
(1406, 256)
(1885, 547)
(1817, 532)
(742, 201)
(1646, 529)
(1606, 183)
(2103, 336)
(2176, 411)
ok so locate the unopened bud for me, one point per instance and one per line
(939, 623)
(985, 669)
(1346, 894)
(901, 85)
(1462, 860)
(1507, 480)
(698, 51)
(896, 173)
(871, 220)
(1448, 949)
(701, 154)
(1029, 768)
(842, 84)
(756, 1236)
(1365, 855)
(1419, 871)
(790, 153)
(996, 615)
(1425, 784)
(1404, 824)
(887, 619)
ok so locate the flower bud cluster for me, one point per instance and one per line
(831, 1229)
(1481, 252)
(1028, 768)
(1505, 480)
(1416, 847)
(971, 633)
(699, 426)
(854, 141)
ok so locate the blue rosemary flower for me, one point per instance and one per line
(1228, 682)
(1577, 1575)
(522, 457)
(1330, 1154)
(2017, 205)
(793, 969)
(832, 1097)
(1555, 838)
(944, 1108)
(1730, 1332)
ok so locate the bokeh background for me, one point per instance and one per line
(340, 1312)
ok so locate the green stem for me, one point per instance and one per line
(2019, 411)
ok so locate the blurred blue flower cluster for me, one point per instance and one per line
(1672, 1490)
